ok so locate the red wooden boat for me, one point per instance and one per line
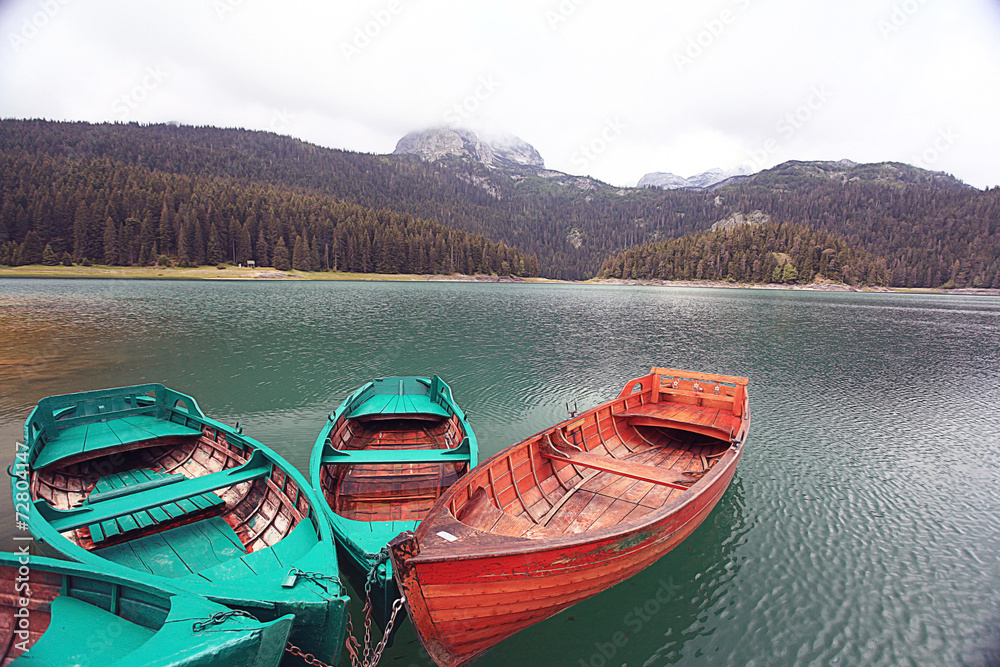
(570, 511)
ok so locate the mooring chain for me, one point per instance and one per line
(317, 578)
(307, 658)
(370, 655)
(218, 618)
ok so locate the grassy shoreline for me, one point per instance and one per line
(229, 273)
(267, 273)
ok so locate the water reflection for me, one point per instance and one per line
(863, 524)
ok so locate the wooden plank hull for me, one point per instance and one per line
(468, 588)
(94, 466)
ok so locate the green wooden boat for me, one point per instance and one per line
(382, 459)
(138, 479)
(56, 613)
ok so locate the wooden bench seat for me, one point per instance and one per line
(639, 471)
(135, 481)
(708, 421)
(86, 438)
(395, 406)
(460, 454)
(98, 513)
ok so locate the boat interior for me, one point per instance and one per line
(614, 464)
(108, 620)
(172, 505)
(391, 491)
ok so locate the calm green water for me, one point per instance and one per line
(863, 526)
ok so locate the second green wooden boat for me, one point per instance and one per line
(55, 613)
(380, 462)
(138, 479)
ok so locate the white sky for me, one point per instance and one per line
(612, 89)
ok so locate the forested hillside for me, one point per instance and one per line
(762, 253)
(928, 228)
(101, 211)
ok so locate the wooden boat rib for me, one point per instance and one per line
(138, 479)
(381, 461)
(61, 613)
(570, 511)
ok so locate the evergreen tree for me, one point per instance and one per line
(281, 261)
(788, 273)
(112, 249)
(244, 249)
(31, 249)
(49, 257)
(215, 255)
(300, 256)
(81, 231)
(261, 252)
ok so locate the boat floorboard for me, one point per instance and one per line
(179, 551)
(606, 498)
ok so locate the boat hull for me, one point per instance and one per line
(461, 608)
(234, 518)
(74, 615)
(408, 428)
(570, 511)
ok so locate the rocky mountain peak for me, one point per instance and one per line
(705, 179)
(496, 152)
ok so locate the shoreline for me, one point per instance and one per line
(268, 273)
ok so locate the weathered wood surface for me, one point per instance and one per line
(570, 511)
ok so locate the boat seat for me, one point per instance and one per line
(399, 407)
(639, 471)
(87, 438)
(145, 498)
(181, 551)
(132, 481)
(460, 454)
(71, 640)
(713, 422)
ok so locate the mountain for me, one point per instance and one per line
(668, 181)
(505, 152)
(928, 228)
(797, 174)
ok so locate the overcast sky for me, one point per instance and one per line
(612, 89)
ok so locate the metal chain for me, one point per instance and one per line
(316, 577)
(307, 658)
(371, 655)
(218, 618)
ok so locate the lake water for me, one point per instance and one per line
(863, 526)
